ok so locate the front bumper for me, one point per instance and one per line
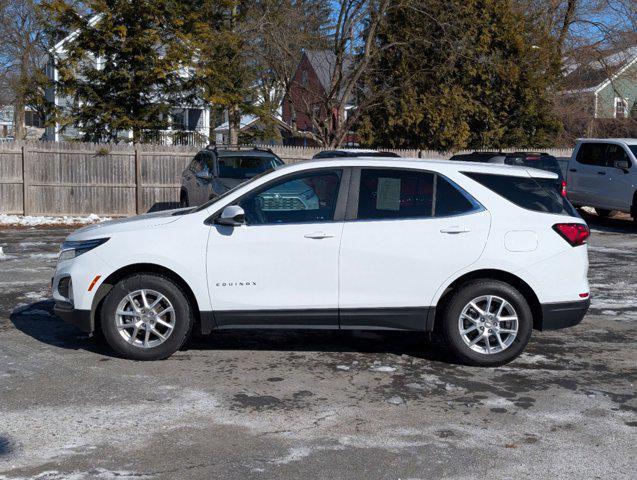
(563, 314)
(80, 318)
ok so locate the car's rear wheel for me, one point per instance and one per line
(487, 323)
(146, 317)
(603, 212)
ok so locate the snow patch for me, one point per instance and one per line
(45, 256)
(383, 368)
(32, 221)
(533, 359)
(96, 473)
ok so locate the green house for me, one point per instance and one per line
(605, 87)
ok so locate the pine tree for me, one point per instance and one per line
(224, 74)
(461, 74)
(121, 68)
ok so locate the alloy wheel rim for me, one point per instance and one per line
(488, 324)
(145, 318)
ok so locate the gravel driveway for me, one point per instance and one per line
(316, 405)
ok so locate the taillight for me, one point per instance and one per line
(574, 233)
(563, 191)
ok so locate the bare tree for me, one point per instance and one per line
(345, 50)
(577, 24)
(22, 55)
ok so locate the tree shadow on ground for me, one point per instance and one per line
(39, 322)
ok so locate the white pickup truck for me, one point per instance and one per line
(603, 174)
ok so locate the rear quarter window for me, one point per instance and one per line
(537, 194)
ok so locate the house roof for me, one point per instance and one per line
(247, 121)
(324, 63)
(594, 75)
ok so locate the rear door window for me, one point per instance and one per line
(390, 194)
(537, 194)
(592, 154)
(401, 194)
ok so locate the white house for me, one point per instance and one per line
(188, 123)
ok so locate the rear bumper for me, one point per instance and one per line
(563, 314)
(80, 318)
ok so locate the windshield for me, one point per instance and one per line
(544, 162)
(243, 167)
(212, 201)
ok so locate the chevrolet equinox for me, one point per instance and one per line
(480, 253)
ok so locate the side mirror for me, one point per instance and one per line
(204, 175)
(622, 165)
(232, 216)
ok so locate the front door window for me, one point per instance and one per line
(306, 198)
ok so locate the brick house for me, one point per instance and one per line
(309, 86)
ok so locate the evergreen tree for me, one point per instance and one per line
(461, 74)
(121, 65)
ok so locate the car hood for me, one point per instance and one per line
(147, 220)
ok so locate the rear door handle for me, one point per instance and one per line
(318, 235)
(454, 229)
(601, 173)
(572, 169)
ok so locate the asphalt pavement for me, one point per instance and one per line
(316, 405)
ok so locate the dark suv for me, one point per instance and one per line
(541, 161)
(213, 172)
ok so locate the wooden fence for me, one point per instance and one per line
(40, 178)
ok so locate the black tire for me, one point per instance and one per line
(602, 212)
(183, 317)
(183, 199)
(454, 307)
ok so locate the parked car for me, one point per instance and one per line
(481, 253)
(603, 174)
(543, 161)
(213, 172)
(353, 152)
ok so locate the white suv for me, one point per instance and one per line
(603, 174)
(481, 253)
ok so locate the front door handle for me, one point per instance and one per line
(318, 235)
(454, 229)
(601, 173)
(572, 169)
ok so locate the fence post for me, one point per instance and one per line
(138, 182)
(25, 186)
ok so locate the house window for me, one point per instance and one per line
(304, 81)
(621, 107)
(33, 119)
(178, 118)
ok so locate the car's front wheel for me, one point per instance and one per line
(487, 323)
(146, 317)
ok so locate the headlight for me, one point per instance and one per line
(70, 250)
